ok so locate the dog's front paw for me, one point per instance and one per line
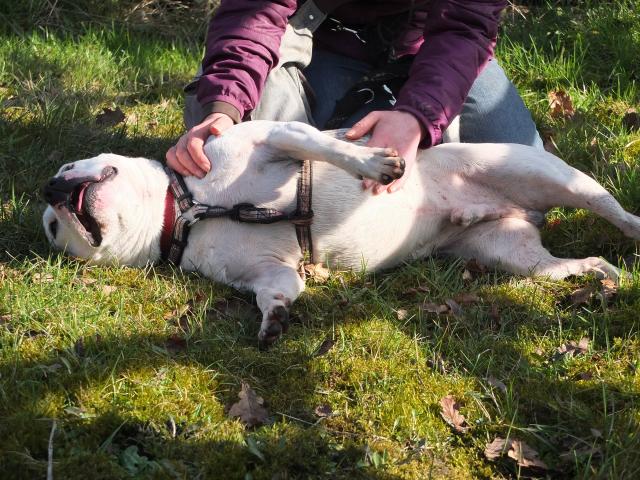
(275, 323)
(383, 165)
(391, 165)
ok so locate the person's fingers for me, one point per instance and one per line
(185, 159)
(363, 126)
(173, 163)
(195, 147)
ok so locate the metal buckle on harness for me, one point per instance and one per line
(189, 215)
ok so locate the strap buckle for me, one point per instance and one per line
(190, 214)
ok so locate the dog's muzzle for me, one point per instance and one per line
(60, 190)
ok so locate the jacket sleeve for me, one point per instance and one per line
(242, 46)
(459, 39)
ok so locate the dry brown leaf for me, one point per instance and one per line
(324, 347)
(434, 308)
(6, 318)
(571, 348)
(109, 118)
(401, 314)
(582, 295)
(414, 291)
(317, 272)
(609, 288)
(175, 344)
(456, 309)
(494, 382)
(560, 104)
(108, 289)
(495, 449)
(323, 411)
(249, 409)
(451, 414)
(467, 276)
(43, 278)
(525, 456)
(467, 298)
(631, 119)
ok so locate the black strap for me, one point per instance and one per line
(191, 212)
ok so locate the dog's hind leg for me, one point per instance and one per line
(536, 180)
(276, 288)
(304, 142)
(513, 244)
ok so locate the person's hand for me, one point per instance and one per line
(187, 156)
(395, 129)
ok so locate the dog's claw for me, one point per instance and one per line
(278, 324)
(385, 179)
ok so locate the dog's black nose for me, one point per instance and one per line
(58, 189)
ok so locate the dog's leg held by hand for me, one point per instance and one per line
(276, 288)
(303, 142)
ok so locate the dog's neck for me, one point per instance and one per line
(144, 243)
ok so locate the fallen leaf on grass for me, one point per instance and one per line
(324, 347)
(467, 298)
(414, 291)
(455, 309)
(473, 269)
(451, 414)
(109, 117)
(317, 272)
(175, 344)
(43, 278)
(108, 289)
(631, 119)
(495, 449)
(249, 408)
(401, 314)
(609, 289)
(6, 318)
(582, 296)
(323, 411)
(560, 104)
(518, 450)
(435, 308)
(525, 456)
(571, 348)
(494, 382)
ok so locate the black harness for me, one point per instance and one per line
(189, 212)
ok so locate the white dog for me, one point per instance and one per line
(481, 201)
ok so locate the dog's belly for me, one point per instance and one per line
(355, 229)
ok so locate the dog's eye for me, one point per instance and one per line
(66, 168)
(53, 228)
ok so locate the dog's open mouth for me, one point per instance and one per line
(78, 209)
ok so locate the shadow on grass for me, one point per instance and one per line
(545, 398)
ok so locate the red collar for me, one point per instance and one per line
(168, 223)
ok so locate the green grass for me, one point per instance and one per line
(94, 348)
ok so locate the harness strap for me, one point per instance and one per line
(304, 211)
(192, 212)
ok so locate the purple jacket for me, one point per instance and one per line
(452, 41)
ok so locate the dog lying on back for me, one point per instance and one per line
(482, 201)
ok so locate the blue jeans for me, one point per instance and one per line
(493, 111)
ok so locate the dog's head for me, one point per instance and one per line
(107, 209)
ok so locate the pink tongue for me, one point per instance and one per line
(81, 197)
